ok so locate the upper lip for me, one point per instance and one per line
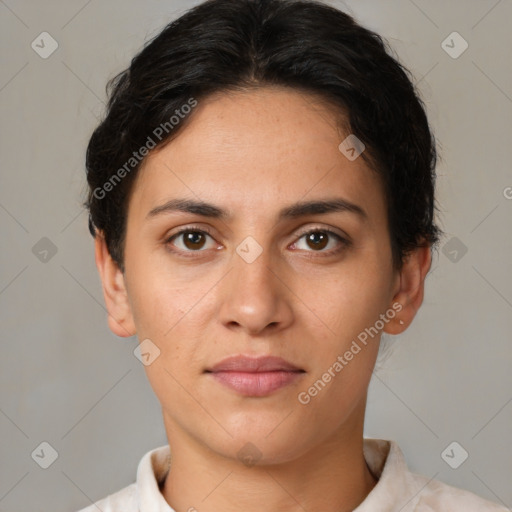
(253, 365)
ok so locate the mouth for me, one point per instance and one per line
(255, 377)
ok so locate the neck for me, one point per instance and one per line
(332, 477)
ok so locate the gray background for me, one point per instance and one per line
(67, 380)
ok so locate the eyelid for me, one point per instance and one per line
(185, 229)
(344, 242)
(324, 229)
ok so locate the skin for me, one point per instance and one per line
(253, 153)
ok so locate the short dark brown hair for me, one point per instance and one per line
(227, 45)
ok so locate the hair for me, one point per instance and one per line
(239, 45)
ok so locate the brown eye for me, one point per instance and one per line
(189, 240)
(193, 240)
(317, 240)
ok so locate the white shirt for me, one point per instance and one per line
(397, 489)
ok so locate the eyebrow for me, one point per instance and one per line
(293, 211)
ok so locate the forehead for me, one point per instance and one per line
(257, 150)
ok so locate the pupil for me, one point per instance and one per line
(194, 238)
(318, 243)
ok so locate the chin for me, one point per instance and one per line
(261, 444)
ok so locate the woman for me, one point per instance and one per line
(262, 202)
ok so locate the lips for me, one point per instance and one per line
(254, 364)
(255, 377)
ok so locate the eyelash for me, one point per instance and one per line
(343, 243)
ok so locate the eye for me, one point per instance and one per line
(190, 240)
(318, 239)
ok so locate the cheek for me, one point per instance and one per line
(349, 299)
(158, 298)
(171, 314)
(345, 358)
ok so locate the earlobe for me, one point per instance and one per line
(120, 319)
(411, 288)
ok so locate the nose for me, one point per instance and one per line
(255, 297)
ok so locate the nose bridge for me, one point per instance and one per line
(254, 296)
(252, 266)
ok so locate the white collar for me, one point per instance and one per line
(384, 458)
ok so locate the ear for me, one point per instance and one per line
(409, 290)
(120, 319)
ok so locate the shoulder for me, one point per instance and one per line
(436, 496)
(124, 500)
(398, 488)
(145, 492)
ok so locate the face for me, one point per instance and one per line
(251, 276)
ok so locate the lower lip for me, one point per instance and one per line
(256, 383)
